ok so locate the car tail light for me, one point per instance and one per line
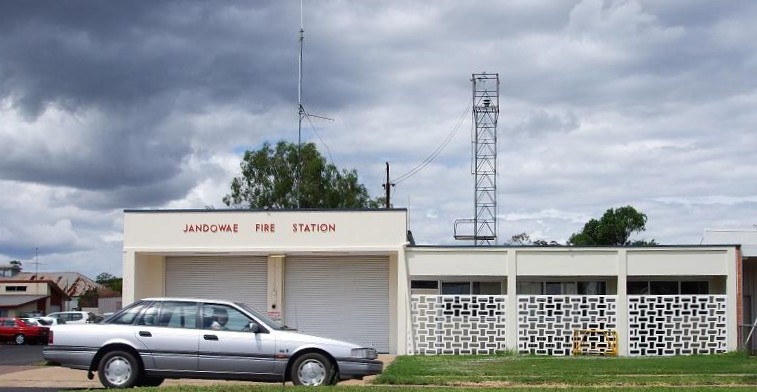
(50, 337)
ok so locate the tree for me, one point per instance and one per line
(267, 180)
(525, 239)
(112, 282)
(614, 228)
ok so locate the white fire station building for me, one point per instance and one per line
(354, 275)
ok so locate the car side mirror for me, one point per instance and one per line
(253, 327)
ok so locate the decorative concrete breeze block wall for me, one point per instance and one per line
(457, 324)
(677, 324)
(546, 322)
(657, 325)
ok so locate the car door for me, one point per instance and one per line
(169, 331)
(6, 328)
(233, 347)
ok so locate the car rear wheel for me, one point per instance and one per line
(312, 369)
(118, 369)
(19, 339)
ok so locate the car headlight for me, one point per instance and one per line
(367, 353)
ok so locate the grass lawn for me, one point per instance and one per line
(530, 371)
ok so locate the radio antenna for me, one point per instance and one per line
(301, 113)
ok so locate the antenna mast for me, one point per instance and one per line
(301, 113)
(484, 162)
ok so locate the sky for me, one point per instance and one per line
(113, 105)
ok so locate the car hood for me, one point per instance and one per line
(305, 339)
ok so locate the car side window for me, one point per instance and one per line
(150, 315)
(9, 323)
(128, 315)
(76, 316)
(222, 317)
(178, 315)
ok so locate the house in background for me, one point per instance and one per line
(34, 288)
(18, 297)
(73, 284)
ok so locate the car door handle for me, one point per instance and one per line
(210, 337)
(145, 333)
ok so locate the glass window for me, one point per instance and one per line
(127, 315)
(424, 284)
(553, 288)
(569, 288)
(222, 317)
(529, 288)
(696, 287)
(592, 288)
(150, 315)
(487, 288)
(637, 288)
(455, 288)
(178, 315)
(663, 288)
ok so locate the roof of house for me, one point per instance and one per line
(54, 287)
(73, 284)
(9, 301)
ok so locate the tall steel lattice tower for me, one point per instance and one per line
(484, 161)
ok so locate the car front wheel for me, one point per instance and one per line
(118, 369)
(312, 369)
(19, 339)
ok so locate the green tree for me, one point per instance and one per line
(267, 180)
(525, 239)
(112, 282)
(614, 228)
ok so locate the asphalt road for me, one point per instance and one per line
(15, 355)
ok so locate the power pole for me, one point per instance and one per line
(388, 186)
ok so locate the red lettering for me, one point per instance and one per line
(313, 227)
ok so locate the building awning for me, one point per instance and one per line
(10, 301)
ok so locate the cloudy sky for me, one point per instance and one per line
(108, 105)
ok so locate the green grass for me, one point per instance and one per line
(708, 370)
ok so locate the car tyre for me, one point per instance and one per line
(19, 339)
(312, 369)
(118, 369)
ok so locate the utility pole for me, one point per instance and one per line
(388, 186)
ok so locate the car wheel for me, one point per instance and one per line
(312, 369)
(19, 339)
(118, 369)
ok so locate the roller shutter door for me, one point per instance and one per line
(242, 279)
(345, 298)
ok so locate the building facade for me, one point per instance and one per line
(353, 275)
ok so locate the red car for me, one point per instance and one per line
(20, 331)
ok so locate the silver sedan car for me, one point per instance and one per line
(158, 338)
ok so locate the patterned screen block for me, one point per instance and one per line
(546, 322)
(457, 324)
(677, 324)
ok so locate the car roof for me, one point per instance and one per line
(189, 299)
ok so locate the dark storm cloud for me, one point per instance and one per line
(112, 54)
(124, 68)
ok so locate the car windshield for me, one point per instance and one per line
(43, 322)
(263, 318)
(28, 321)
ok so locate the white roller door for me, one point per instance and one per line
(242, 279)
(345, 298)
